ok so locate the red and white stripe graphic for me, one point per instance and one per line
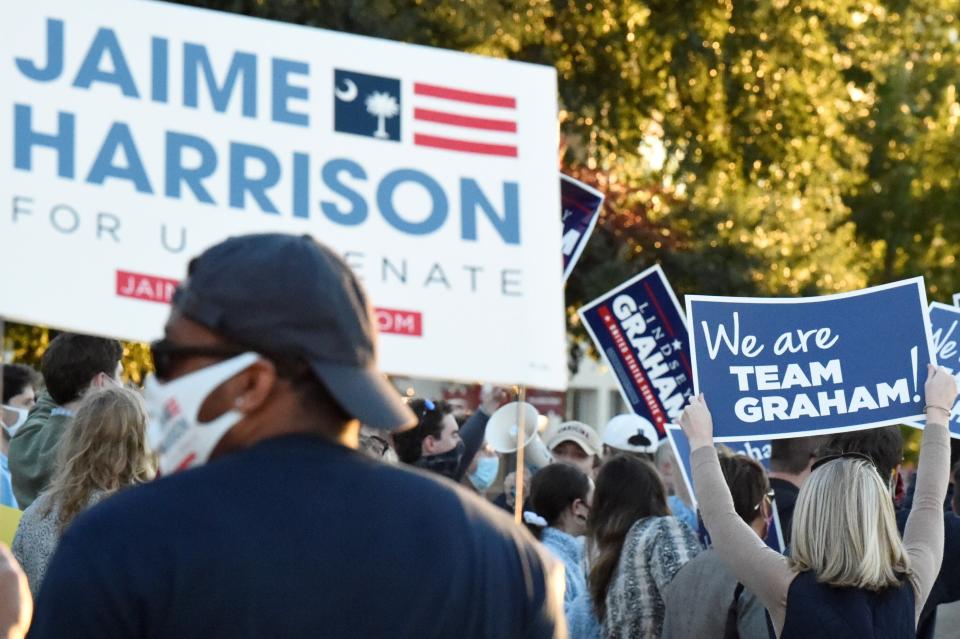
(465, 121)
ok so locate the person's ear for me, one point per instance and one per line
(580, 509)
(429, 445)
(102, 380)
(253, 386)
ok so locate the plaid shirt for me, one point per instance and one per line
(654, 551)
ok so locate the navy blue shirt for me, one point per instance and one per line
(297, 537)
(946, 589)
(823, 611)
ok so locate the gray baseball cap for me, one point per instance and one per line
(290, 295)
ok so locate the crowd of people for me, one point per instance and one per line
(227, 499)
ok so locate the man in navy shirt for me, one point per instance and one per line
(267, 368)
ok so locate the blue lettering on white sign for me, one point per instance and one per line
(253, 172)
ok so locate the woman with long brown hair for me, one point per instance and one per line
(635, 548)
(103, 451)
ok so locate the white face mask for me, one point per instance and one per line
(21, 414)
(175, 432)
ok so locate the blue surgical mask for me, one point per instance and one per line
(486, 472)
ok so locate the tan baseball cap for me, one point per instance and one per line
(577, 432)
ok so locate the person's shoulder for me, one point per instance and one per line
(784, 490)
(131, 506)
(38, 417)
(39, 509)
(662, 530)
(436, 495)
(446, 504)
(653, 525)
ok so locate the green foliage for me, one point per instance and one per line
(761, 147)
(26, 344)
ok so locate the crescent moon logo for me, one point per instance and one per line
(349, 93)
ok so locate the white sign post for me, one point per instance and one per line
(135, 134)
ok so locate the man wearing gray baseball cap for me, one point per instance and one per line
(267, 523)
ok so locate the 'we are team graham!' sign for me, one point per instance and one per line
(789, 367)
(945, 324)
(133, 135)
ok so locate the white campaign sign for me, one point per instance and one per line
(135, 134)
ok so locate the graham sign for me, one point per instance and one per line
(135, 134)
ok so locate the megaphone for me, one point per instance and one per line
(502, 434)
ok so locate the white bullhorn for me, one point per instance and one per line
(502, 430)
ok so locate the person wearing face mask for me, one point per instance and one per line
(704, 599)
(560, 498)
(437, 443)
(71, 366)
(575, 443)
(434, 444)
(20, 385)
(267, 522)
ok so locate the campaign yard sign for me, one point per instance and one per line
(581, 205)
(756, 450)
(639, 330)
(787, 367)
(945, 324)
(133, 135)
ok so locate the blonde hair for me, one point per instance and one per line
(844, 529)
(103, 450)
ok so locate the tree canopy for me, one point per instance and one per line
(774, 147)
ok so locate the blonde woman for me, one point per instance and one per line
(849, 574)
(103, 451)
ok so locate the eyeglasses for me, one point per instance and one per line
(768, 497)
(167, 355)
(829, 458)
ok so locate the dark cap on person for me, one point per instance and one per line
(290, 295)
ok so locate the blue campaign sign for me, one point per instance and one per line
(945, 324)
(581, 207)
(789, 367)
(681, 447)
(639, 329)
(758, 450)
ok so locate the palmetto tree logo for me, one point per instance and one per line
(382, 106)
